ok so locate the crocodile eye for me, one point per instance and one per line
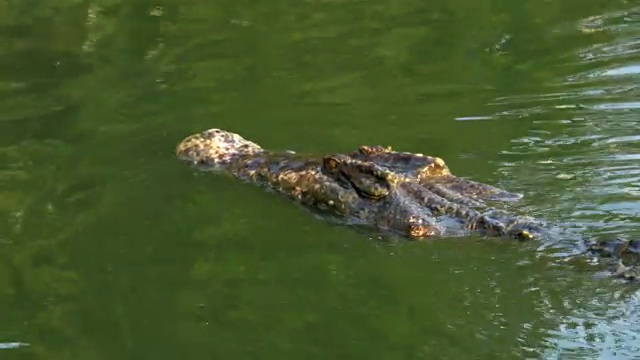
(331, 163)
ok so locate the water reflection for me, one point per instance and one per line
(12, 345)
(111, 245)
(581, 149)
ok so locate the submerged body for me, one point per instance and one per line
(411, 195)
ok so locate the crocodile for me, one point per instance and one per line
(407, 195)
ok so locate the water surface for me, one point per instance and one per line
(110, 248)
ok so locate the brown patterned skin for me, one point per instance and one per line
(406, 194)
(433, 173)
(351, 190)
(301, 179)
(379, 180)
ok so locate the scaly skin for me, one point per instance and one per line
(407, 208)
(433, 173)
(301, 179)
(425, 199)
(398, 192)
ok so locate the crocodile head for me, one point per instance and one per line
(382, 196)
(215, 149)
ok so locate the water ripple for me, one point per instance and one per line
(12, 345)
(581, 154)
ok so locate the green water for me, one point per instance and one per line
(110, 248)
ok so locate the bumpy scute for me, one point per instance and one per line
(432, 172)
